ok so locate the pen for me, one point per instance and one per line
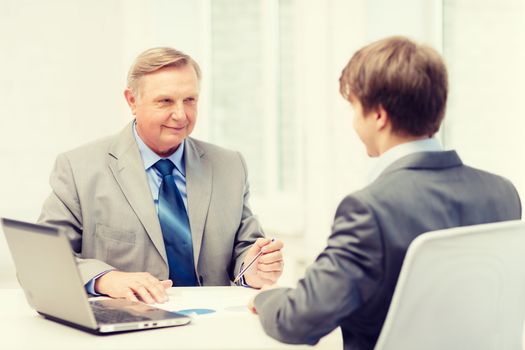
(244, 269)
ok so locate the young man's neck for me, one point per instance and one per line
(393, 140)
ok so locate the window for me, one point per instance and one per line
(252, 101)
(484, 45)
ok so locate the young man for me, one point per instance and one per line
(398, 90)
(150, 206)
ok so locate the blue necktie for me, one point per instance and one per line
(175, 228)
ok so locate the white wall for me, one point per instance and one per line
(485, 49)
(63, 66)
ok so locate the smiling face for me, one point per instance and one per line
(165, 107)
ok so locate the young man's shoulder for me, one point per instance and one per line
(405, 184)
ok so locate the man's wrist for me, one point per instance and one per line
(90, 285)
(242, 280)
(243, 283)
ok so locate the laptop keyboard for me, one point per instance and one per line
(106, 315)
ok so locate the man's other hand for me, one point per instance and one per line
(135, 286)
(251, 303)
(268, 267)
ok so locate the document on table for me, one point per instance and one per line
(209, 301)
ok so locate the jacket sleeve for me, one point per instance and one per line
(343, 277)
(249, 227)
(62, 209)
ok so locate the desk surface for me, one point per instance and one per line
(232, 326)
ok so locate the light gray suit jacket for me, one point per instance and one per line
(101, 198)
(351, 283)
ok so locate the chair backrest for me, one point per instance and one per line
(460, 288)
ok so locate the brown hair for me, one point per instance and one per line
(407, 79)
(157, 58)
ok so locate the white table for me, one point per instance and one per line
(232, 326)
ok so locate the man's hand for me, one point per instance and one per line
(268, 267)
(251, 304)
(135, 286)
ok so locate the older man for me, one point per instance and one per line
(150, 206)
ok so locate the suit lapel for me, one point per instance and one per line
(198, 187)
(128, 169)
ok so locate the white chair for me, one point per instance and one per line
(461, 288)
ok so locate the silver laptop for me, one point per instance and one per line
(47, 271)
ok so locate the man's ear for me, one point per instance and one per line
(131, 100)
(382, 118)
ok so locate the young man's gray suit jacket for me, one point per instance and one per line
(352, 281)
(101, 197)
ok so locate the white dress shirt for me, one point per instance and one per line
(400, 151)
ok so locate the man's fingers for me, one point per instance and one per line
(129, 295)
(270, 258)
(149, 288)
(267, 246)
(270, 277)
(143, 293)
(157, 288)
(276, 266)
(157, 291)
(255, 249)
(273, 246)
(251, 306)
(261, 242)
(166, 283)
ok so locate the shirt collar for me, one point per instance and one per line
(400, 151)
(149, 158)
